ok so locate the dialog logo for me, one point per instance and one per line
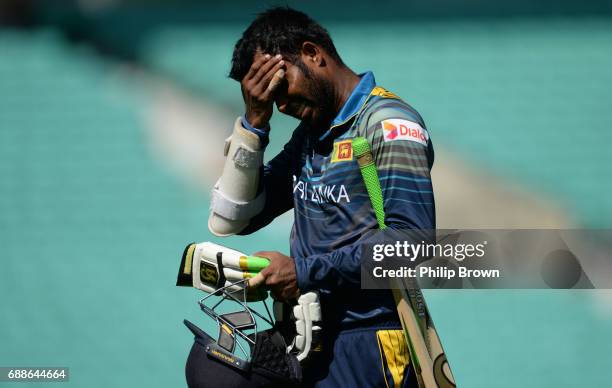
(399, 129)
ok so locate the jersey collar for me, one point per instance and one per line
(354, 103)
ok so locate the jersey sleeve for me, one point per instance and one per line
(403, 159)
(339, 268)
(276, 180)
(403, 154)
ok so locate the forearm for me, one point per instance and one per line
(273, 186)
(340, 268)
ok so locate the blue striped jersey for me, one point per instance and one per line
(318, 177)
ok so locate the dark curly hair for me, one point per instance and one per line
(280, 30)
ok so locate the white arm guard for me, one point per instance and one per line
(307, 315)
(234, 201)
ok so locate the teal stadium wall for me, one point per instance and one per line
(92, 223)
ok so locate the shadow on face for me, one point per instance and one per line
(303, 94)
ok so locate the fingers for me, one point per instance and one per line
(257, 88)
(259, 279)
(269, 67)
(265, 254)
(262, 88)
(276, 80)
(285, 294)
(256, 280)
(265, 80)
(255, 66)
(259, 83)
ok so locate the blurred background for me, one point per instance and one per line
(112, 120)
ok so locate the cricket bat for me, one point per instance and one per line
(426, 352)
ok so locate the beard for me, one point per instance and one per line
(321, 98)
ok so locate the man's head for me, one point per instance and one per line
(311, 59)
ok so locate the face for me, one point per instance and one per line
(304, 94)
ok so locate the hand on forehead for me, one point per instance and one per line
(259, 54)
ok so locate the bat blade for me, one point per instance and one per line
(428, 357)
